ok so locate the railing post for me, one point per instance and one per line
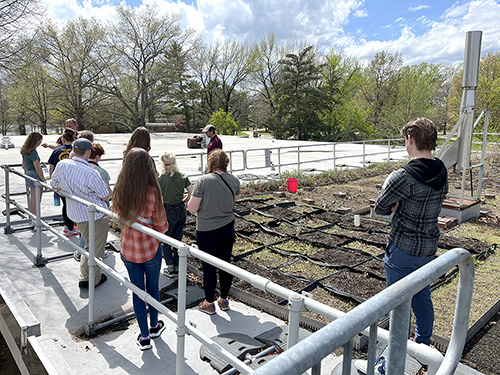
(347, 360)
(181, 310)
(388, 150)
(230, 161)
(364, 153)
(334, 156)
(39, 261)
(201, 163)
(91, 262)
(298, 158)
(399, 324)
(296, 302)
(279, 160)
(372, 346)
(7, 229)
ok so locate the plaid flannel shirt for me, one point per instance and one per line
(138, 247)
(414, 224)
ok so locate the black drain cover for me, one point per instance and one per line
(279, 336)
(237, 344)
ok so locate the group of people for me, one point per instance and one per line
(413, 194)
(142, 195)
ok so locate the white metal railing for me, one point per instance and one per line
(309, 352)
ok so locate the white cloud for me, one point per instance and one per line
(418, 7)
(433, 38)
(360, 13)
(444, 39)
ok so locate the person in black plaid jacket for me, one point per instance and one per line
(415, 194)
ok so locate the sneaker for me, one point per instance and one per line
(208, 308)
(144, 342)
(223, 304)
(169, 271)
(70, 233)
(65, 230)
(77, 256)
(157, 330)
(176, 270)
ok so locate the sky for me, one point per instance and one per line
(431, 31)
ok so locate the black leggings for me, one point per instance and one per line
(67, 221)
(219, 243)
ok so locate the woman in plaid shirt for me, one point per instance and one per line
(137, 198)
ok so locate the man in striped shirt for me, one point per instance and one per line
(76, 177)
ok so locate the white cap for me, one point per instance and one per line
(208, 128)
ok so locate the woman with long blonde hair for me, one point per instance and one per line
(32, 167)
(173, 184)
(137, 198)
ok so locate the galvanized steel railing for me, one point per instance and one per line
(309, 352)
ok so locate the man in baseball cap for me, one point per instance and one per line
(215, 141)
(76, 177)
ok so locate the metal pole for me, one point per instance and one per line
(398, 338)
(38, 261)
(298, 158)
(230, 161)
(181, 310)
(364, 153)
(483, 154)
(295, 301)
(347, 360)
(91, 263)
(7, 228)
(372, 346)
(279, 160)
(334, 157)
(388, 150)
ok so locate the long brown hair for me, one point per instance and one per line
(31, 143)
(130, 193)
(140, 138)
(217, 159)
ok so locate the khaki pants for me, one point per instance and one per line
(100, 238)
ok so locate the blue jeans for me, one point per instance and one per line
(176, 216)
(136, 272)
(399, 264)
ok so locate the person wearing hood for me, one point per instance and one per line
(415, 194)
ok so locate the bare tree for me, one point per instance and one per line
(71, 56)
(15, 16)
(138, 45)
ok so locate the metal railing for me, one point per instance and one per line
(325, 152)
(309, 352)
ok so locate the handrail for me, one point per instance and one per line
(343, 328)
(311, 350)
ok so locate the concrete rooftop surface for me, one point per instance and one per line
(52, 294)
